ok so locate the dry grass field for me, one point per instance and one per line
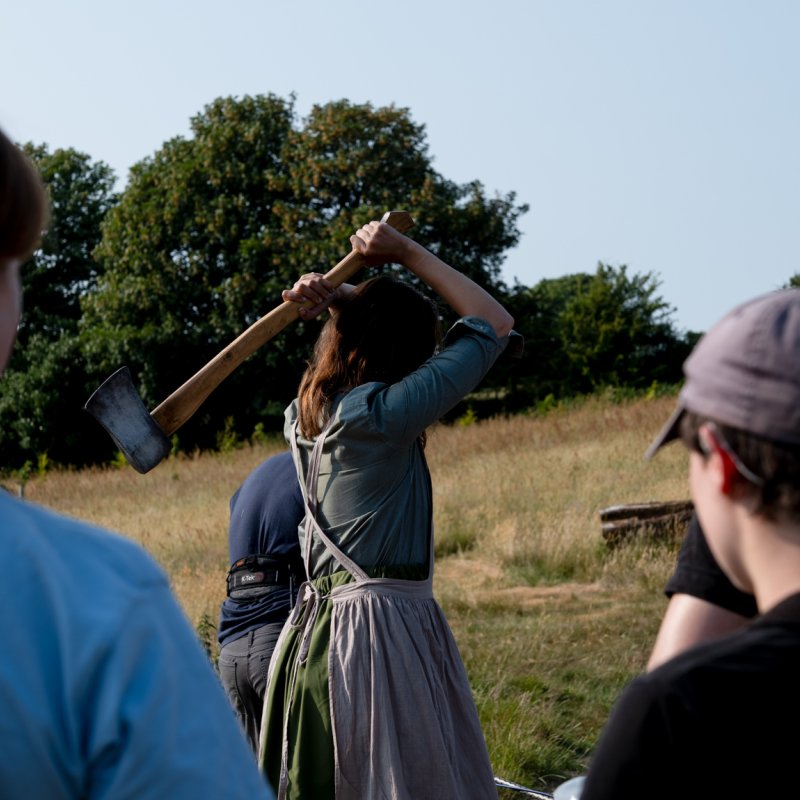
(551, 622)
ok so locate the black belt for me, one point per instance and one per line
(253, 576)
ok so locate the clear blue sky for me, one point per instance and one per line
(661, 134)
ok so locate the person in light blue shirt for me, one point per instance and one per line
(105, 691)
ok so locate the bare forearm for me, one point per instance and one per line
(380, 243)
(689, 621)
(461, 293)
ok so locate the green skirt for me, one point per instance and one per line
(297, 697)
(399, 680)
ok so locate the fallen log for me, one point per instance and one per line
(656, 519)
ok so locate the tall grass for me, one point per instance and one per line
(551, 623)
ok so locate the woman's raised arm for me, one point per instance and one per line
(380, 243)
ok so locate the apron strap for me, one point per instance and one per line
(312, 504)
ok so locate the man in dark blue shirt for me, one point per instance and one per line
(266, 570)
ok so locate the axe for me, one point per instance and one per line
(142, 436)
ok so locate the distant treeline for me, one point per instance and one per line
(211, 228)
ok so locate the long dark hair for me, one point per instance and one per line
(382, 331)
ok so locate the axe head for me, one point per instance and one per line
(117, 406)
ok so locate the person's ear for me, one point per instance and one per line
(720, 460)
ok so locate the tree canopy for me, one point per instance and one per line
(47, 380)
(587, 331)
(211, 228)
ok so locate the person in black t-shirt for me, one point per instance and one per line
(703, 604)
(713, 720)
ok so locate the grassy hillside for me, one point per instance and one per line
(550, 621)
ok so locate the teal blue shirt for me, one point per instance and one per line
(104, 689)
(374, 487)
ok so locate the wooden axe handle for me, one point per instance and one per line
(185, 400)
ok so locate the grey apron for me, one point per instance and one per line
(403, 718)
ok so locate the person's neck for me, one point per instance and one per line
(773, 556)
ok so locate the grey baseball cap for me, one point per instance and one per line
(745, 372)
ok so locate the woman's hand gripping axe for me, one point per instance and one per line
(142, 436)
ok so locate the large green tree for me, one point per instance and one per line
(586, 331)
(543, 368)
(211, 228)
(80, 193)
(617, 330)
(47, 380)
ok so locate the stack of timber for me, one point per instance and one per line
(654, 520)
